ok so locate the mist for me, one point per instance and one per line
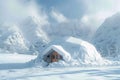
(15, 11)
(87, 14)
(84, 10)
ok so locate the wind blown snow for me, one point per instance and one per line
(107, 39)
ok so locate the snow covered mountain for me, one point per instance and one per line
(70, 28)
(33, 34)
(32, 30)
(27, 37)
(11, 39)
(107, 39)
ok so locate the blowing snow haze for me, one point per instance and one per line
(33, 23)
(86, 11)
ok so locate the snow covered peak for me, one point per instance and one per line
(27, 33)
(107, 36)
(12, 39)
(32, 30)
(16, 43)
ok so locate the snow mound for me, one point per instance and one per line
(107, 39)
(81, 52)
(60, 50)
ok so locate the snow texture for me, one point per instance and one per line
(25, 37)
(66, 56)
(12, 67)
(34, 32)
(11, 39)
(81, 52)
(107, 39)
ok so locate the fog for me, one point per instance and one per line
(91, 13)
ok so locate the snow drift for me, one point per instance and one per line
(81, 52)
(107, 39)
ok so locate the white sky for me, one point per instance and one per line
(90, 12)
(99, 10)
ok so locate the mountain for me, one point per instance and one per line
(73, 28)
(11, 39)
(34, 32)
(106, 38)
(35, 36)
(25, 37)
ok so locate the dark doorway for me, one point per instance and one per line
(52, 57)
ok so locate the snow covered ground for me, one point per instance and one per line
(22, 72)
(13, 58)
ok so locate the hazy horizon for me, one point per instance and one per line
(59, 11)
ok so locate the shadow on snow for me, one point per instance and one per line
(15, 66)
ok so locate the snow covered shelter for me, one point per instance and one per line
(72, 51)
(55, 53)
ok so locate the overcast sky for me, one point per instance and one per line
(90, 12)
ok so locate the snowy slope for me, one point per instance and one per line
(37, 27)
(107, 39)
(32, 30)
(11, 39)
(24, 37)
(33, 33)
(36, 30)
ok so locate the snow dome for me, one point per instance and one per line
(74, 52)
